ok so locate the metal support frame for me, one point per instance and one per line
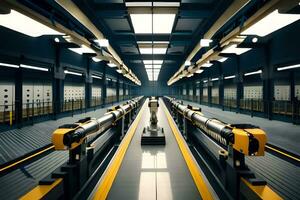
(19, 97)
(103, 86)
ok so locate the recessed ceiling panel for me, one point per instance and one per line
(118, 24)
(187, 24)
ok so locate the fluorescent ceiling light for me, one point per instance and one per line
(187, 63)
(149, 4)
(252, 73)
(102, 42)
(159, 62)
(229, 77)
(205, 42)
(155, 50)
(34, 67)
(141, 23)
(272, 22)
(111, 64)
(222, 59)
(166, 4)
(23, 24)
(199, 71)
(205, 81)
(288, 67)
(138, 4)
(82, 49)
(119, 71)
(73, 73)
(154, 42)
(152, 66)
(162, 23)
(206, 64)
(56, 39)
(96, 77)
(214, 79)
(233, 49)
(95, 59)
(9, 65)
(190, 75)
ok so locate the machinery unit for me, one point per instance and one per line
(153, 134)
(87, 141)
(227, 144)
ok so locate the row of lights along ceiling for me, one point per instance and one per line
(267, 25)
(21, 23)
(152, 23)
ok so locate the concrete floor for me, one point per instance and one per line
(153, 172)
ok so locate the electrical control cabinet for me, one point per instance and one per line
(96, 91)
(205, 92)
(7, 96)
(126, 92)
(282, 92)
(253, 92)
(297, 91)
(215, 92)
(74, 92)
(111, 92)
(121, 91)
(36, 93)
(184, 91)
(230, 93)
(191, 92)
(198, 91)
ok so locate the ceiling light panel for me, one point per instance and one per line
(141, 23)
(272, 22)
(158, 62)
(153, 50)
(82, 49)
(233, 49)
(166, 4)
(162, 23)
(21, 23)
(138, 4)
(152, 66)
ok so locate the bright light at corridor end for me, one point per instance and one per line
(23, 24)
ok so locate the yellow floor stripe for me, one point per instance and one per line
(285, 154)
(109, 175)
(263, 191)
(202, 187)
(25, 159)
(41, 190)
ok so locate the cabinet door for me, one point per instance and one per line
(7, 96)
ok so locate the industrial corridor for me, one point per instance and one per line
(149, 99)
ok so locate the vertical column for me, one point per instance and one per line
(57, 83)
(268, 83)
(209, 88)
(19, 97)
(118, 88)
(194, 91)
(88, 84)
(201, 91)
(221, 85)
(103, 87)
(239, 84)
